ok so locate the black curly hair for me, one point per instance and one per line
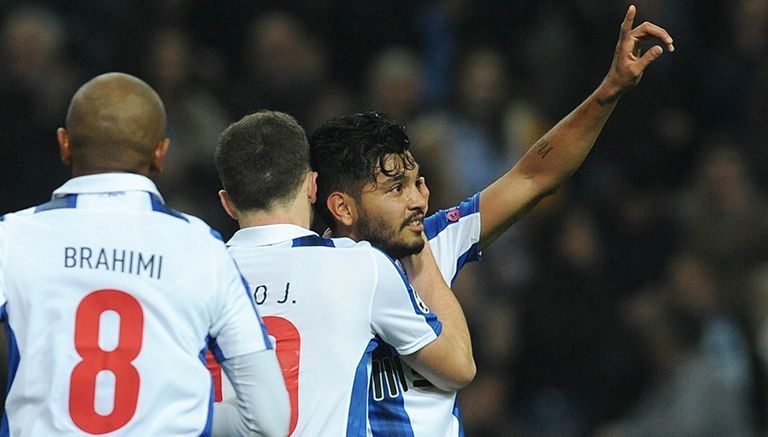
(349, 152)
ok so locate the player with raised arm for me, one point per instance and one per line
(111, 299)
(329, 302)
(361, 198)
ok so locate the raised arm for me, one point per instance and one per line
(557, 155)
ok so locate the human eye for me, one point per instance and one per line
(396, 188)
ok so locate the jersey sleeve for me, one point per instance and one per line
(237, 327)
(454, 235)
(398, 315)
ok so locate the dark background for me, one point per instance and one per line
(633, 302)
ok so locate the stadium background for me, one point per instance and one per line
(635, 300)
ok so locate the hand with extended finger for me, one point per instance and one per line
(629, 62)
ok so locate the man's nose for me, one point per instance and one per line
(417, 200)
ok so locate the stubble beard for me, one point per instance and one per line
(383, 236)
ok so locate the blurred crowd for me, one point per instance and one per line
(633, 302)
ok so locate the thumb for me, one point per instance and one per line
(651, 55)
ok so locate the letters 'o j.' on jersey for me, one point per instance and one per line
(328, 303)
(310, 284)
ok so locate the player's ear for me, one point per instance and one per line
(312, 187)
(343, 208)
(158, 156)
(64, 148)
(226, 203)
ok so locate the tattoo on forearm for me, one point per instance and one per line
(543, 148)
(609, 100)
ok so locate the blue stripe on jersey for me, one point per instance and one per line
(217, 235)
(470, 255)
(457, 414)
(387, 413)
(213, 347)
(159, 206)
(13, 363)
(356, 419)
(68, 201)
(418, 305)
(312, 240)
(209, 422)
(443, 218)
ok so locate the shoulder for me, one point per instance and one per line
(12, 220)
(363, 250)
(465, 212)
(193, 230)
(18, 214)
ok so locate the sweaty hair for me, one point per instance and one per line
(262, 160)
(349, 152)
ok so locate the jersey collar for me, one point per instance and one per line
(268, 235)
(107, 183)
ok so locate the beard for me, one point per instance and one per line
(386, 237)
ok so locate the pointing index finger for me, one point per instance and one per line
(626, 25)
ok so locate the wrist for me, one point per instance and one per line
(607, 93)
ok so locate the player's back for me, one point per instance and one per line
(316, 299)
(110, 299)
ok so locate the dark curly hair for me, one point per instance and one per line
(349, 152)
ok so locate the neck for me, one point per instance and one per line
(98, 170)
(297, 213)
(345, 231)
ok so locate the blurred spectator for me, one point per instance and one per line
(700, 360)
(284, 67)
(722, 214)
(35, 86)
(195, 120)
(577, 366)
(395, 84)
(640, 233)
(681, 165)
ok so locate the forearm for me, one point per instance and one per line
(457, 367)
(261, 407)
(560, 152)
(546, 164)
(557, 155)
(441, 300)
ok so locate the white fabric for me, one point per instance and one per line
(324, 306)
(261, 407)
(106, 266)
(420, 409)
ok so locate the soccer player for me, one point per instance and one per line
(329, 303)
(369, 188)
(110, 298)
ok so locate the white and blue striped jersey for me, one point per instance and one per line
(110, 301)
(328, 303)
(401, 403)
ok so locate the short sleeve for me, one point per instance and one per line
(237, 327)
(398, 315)
(454, 235)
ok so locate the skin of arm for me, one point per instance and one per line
(447, 362)
(557, 155)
